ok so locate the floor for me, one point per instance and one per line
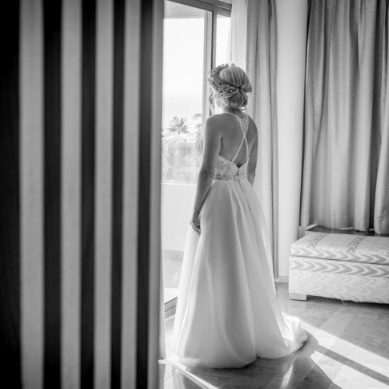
(348, 347)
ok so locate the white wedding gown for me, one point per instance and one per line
(227, 314)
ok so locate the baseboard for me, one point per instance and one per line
(282, 279)
(303, 229)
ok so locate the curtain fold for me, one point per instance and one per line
(381, 210)
(345, 167)
(261, 69)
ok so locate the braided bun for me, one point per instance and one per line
(230, 85)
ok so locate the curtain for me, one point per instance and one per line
(237, 38)
(80, 190)
(346, 132)
(261, 69)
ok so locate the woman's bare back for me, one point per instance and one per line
(232, 137)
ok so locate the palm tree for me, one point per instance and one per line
(199, 142)
(178, 126)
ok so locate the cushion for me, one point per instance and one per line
(343, 247)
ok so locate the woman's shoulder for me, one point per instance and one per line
(252, 122)
(217, 120)
(217, 117)
(221, 120)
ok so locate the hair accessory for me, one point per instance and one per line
(220, 87)
(215, 82)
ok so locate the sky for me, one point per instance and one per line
(183, 65)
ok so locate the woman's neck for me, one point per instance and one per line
(234, 111)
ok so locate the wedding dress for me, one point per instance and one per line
(227, 314)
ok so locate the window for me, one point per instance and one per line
(195, 39)
(183, 74)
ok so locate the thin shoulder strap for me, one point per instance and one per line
(244, 126)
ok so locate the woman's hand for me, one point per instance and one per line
(195, 221)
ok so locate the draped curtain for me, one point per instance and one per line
(237, 39)
(80, 193)
(261, 69)
(346, 132)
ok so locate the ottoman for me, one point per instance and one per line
(341, 266)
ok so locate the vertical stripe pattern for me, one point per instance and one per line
(131, 83)
(80, 190)
(144, 202)
(32, 196)
(10, 195)
(149, 184)
(71, 189)
(52, 191)
(155, 193)
(117, 190)
(88, 64)
(103, 203)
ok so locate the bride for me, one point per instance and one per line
(227, 313)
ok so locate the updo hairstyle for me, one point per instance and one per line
(230, 84)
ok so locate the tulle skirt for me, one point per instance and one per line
(227, 314)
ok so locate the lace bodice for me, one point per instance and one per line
(227, 169)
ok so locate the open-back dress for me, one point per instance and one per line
(227, 314)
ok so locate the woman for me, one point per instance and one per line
(227, 313)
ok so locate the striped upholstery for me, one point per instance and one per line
(348, 267)
(80, 177)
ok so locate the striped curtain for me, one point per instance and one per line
(80, 189)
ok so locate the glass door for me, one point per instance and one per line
(189, 33)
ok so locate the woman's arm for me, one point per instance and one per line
(212, 144)
(252, 162)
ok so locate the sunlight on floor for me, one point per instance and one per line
(366, 368)
(348, 347)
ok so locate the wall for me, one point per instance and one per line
(177, 204)
(291, 45)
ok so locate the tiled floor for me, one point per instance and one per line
(348, 347)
